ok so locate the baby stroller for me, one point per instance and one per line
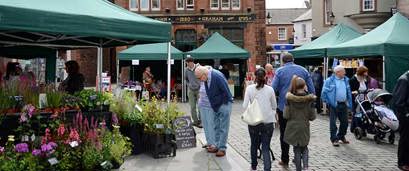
(374, 117)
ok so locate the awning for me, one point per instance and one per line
(67, 24)
(318, 48)
(156, 51)
(390, 39)
(218, 47)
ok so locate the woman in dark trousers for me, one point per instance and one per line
(261, 133)
(358, 83)
(75, 80)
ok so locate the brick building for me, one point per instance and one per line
(403, 7)
(240, 21)
(280, 29)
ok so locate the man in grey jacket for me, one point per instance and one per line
(193, 92)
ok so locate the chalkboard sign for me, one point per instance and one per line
(185, 134)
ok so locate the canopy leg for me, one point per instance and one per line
(99, 68)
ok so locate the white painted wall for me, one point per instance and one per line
(298, 32)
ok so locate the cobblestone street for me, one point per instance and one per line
(362, 154)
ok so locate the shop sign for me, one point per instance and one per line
(206, 19)
(283, 47)
(184, 132)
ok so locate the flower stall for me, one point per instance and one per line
(44, 129)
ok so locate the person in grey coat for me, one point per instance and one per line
(299, 111)
(193, 93)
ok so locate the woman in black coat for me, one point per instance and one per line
(75, 80)
(358, 83)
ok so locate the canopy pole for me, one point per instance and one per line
(383, 73)
(117, 72)
(169, 65)
(99, 68)
(56, 66)
(183, 82)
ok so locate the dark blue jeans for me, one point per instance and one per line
(261, 133)
(339, 112)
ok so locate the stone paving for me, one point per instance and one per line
(358, 155)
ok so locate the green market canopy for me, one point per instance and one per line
(62, 24)
(76, 23)
(218, 47)
(391, 40)
(318, 48)
(156, 51)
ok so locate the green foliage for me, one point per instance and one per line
(90, 99)
(123, 106)
(91, 157)
(158, 116)
(54, 98)
(70, 101)
(120, 146)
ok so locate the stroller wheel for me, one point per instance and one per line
(358, 132)
(391, 138)
(377, 139)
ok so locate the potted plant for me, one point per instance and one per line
(159, 134)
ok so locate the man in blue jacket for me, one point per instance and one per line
(281, 84)
(337, 93)
(220, 99)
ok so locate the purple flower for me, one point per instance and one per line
(52, 144)
(114, 119)
(21, 148)
(36, 152)
(1, 149)
(46, 148)
(30, 110)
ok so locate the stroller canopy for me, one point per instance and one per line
(377, 93)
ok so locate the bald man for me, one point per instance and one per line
(215, 103)
(269, 74)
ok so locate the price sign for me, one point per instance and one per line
(185, 134)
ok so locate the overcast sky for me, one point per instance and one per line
(284, 4)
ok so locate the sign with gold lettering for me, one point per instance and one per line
(206, 19)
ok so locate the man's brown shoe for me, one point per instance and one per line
(220, 153)
(212, 149)
(344, 141)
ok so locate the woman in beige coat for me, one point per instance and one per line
(299, 111)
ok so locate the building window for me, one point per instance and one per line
(304, 30)
(155, 5)
(214, 4)
(144, 5)
(235, 35)
(368, 5)
(133, 5)
(235, 4)
(190, 4)
(225, 4)
(186, 40)
(180, 4)
(327, 11)
(282, 34)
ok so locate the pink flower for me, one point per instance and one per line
(30, 110)
(61, 130)
(46, 137)
(74, 136)
(23, 117)
(1, 150)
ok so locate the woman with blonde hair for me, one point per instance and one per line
(299, 111)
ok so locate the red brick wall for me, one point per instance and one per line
(199, 4)
(273, 37)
